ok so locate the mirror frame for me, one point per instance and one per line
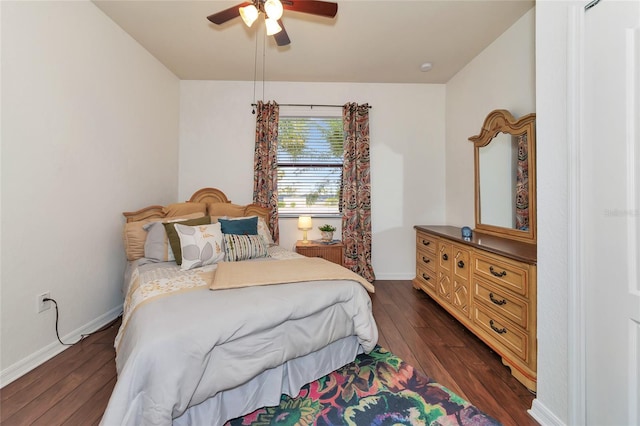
(501, 121)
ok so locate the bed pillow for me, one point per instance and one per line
(244, 247)
(200, 245)
(263, 229)
(181, 209)
(248, 226)
(134, 236)
(174, 240)
(225, 209)
(156, 246)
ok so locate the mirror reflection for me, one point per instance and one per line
(504, 179)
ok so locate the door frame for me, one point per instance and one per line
(576, 270)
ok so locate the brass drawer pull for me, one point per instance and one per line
(445, 257)
(426, 277)
(425, 260)
(496, 329)
(426, 243)
(497, 274)
(496, 301)
(460, 264)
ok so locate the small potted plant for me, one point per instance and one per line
(327, 232)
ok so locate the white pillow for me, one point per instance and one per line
(263, 230)
(201, 245)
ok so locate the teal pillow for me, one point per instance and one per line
(174, 239)
(247, 226)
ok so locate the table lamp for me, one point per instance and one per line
(304, 224)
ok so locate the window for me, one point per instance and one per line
(310, 151)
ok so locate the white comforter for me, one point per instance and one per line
(180, 349)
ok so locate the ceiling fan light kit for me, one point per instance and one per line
(249, 14)
(273, 9)
(249, 11)
(272, 26)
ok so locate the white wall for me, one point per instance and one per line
(89, 129)
(501, 77)
(407, 150)
(552, 128)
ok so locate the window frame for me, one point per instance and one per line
(313, 113)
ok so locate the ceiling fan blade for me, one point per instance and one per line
(282, 38)
(315, 7)
(227, 14)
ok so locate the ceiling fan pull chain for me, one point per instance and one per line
(264, 66)
(255, 74)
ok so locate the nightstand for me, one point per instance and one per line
(331, 252)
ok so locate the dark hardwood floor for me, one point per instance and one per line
(74, 387)
(418, 330)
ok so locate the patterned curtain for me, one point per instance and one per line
(356, 191)
(522, 185)
(265, 163)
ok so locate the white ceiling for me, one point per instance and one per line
(368, 41)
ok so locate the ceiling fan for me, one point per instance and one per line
(273, 9)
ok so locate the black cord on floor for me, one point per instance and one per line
(82, 336)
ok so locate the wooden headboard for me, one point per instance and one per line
(151, 212)
(209, 195)
(204, 195)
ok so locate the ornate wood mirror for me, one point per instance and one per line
(505, 176)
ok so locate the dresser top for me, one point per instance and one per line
(516, 250)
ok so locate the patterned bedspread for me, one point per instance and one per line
(161, 280)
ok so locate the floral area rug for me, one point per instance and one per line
(376, 389)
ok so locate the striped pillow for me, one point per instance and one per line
(243, 247)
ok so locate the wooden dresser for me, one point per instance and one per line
(488, 283)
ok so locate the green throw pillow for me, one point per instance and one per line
(174, 239)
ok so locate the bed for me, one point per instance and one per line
(203, 344)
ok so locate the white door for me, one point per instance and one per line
(610, 211)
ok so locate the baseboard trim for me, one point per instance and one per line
(39, 357)
(397, 276)
(543, 415)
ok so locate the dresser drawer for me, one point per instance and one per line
(506, 275)
(501, 333)
(502, 303)
(426, 260)
(426, 242)
(426, 277)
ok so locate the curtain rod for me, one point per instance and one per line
(310, 105)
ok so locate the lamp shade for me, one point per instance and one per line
(272, 26)
(274, 9)
(249, 14)
(304, 223)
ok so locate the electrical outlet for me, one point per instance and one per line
(42, 304)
